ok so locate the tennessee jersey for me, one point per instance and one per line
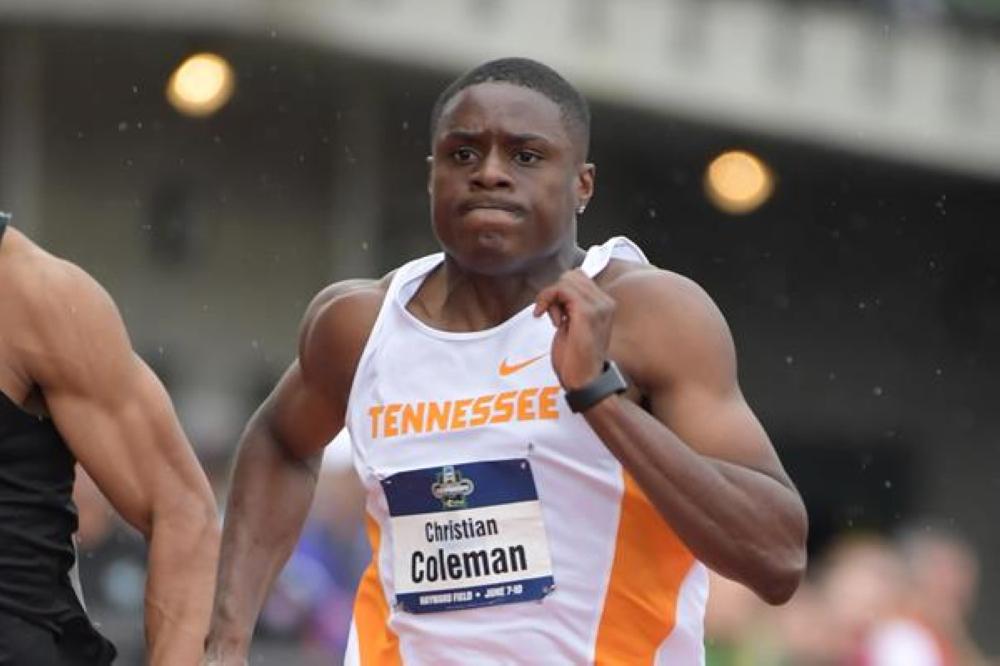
(502, 529)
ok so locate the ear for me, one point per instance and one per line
(430, 172)
(586, 173)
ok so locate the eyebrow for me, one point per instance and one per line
(471, 135)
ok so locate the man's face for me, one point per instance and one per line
(506, 178)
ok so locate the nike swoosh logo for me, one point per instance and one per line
(506, 369)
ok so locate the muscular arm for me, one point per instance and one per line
(699, 453)
(276, 466)
(118, 421)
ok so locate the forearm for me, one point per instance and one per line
(183, 553)
(268, 501)
(743, 523)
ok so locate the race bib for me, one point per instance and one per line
(466, 536)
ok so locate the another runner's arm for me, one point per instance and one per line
(276, 466)
(699, 454)
(119, 423)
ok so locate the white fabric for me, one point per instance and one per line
(579, 482)
(337, 456)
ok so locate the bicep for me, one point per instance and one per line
(112, 411)
(307, 407)
(718, 423)
(690, 379)
(299, 416)
(124, 432)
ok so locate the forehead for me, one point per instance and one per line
(503, 108)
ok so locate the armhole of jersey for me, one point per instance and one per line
(624, 248)
(618, 247)
(403, 275)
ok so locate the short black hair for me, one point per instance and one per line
(529, 74)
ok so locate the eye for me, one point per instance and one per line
(526, 157)
(463, 155)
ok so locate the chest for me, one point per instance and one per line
(423, 401)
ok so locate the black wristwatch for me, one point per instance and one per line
(608, 382)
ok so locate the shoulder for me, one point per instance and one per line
(58, 299)
(337, 324)
(60, 312)
(647, 292)
(344, 307)
(667, 323)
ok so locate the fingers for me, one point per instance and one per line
(557, 315)
(573, 291)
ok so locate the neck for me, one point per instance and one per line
(469, 301)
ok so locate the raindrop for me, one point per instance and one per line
(364, 245)
(122, 126)
(832, 376)
(861, 305)
(938, 372)
(652, 213)
(79, 135)
(135, 89)
(877, 391)
(789, 359)
(406, 125)
(888, 483)
(254, 344)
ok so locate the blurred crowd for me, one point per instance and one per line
(868, 601)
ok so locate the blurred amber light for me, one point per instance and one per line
(738, 182)
(201, 85)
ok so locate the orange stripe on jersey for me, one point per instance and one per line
(377, 645)
(649, 566)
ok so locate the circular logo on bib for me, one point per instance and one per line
(451, 488)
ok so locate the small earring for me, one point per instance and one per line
(581, 210)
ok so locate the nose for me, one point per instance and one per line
(492, 172)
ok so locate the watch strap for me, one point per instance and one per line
(608, 382)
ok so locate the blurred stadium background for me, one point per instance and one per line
(854, 244)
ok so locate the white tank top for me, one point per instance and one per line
(503, 531)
